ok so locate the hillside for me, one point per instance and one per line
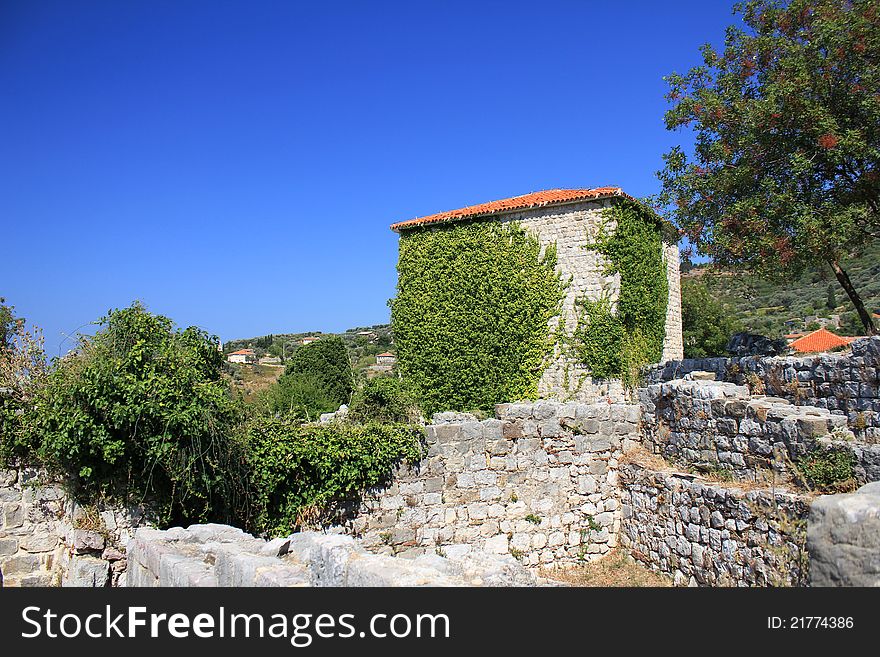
(363, 344)
(777, 307)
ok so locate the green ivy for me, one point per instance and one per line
(617, 343)
(472, 312)
(302, 473)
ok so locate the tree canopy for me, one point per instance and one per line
(327, 362)
(786, 118)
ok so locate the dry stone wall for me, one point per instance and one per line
(538, 482)
(845, 383)
(712, 534)
(46, 539)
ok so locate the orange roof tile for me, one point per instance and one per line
(243, 352)
(820, 340)
(387, 353)
(533, 200)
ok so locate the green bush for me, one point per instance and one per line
(302, 474)
(140, 411)
(384, 399)
(828, 469)
(471, 315)
(298, 396)
(707, 323)
(327, 362)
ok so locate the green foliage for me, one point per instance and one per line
(472, 312)
(384, 399)
(707, 323)
(7, 324)
(140, 411)
(828, 469)
(303, 474)
(298, 396)
(327, 362)
(617, 343)
(787, 138)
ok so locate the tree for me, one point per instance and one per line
(8, 324)
(140, 411)
(327, 361)
(707, 323)
(298, 396)
(786, 162)
(831, 298)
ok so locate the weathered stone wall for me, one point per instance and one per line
(713, 534)
(572, 227)
(220, 555)
(539, 482)
(46, 539)
(845, 383)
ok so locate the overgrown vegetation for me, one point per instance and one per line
(142, 412)
(707, 322)
(326, 363)
(617, 342)
(384, 399)
(828, 469)
(300, 475)
(472, 312)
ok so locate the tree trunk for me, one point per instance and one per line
(847, 285)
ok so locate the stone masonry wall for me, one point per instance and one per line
(46, 539)
(845, 383)
(713, 534)
(539, 482)
(572, 227)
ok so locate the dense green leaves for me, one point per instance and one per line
(140, 411)
(384, 399)
(616, 342)
(786, 163)
(326, 362)
(707, 323)
(303, 474)
(472, 312)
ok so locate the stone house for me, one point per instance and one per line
(386, 359)
(571, 219)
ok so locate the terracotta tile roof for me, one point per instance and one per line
(387, 353)
(821, 340)
(533, 200)
(243, 352)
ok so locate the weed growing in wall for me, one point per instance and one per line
(472, 315)
(616, 342)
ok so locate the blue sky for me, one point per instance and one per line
(236, 165)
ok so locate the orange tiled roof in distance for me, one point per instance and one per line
(821, 340)
(243, 352)
(533, 200)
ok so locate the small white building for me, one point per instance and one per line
(309, 340)
(246, 356)
(386, 359)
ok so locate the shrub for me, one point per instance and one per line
(298, 471)
(141, 411)
(384, 399)
(298, 396)
(327, 362)
(828, 469)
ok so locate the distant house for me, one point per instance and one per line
(386, 359)
(309, 340)
(272, 361)
(821, 340)
(242, 356)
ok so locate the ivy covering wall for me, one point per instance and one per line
(616, 340)
(472, 312)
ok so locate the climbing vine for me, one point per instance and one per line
(617, 340)
(472, 312)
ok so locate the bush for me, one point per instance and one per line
(828, 469)
(384, 399)
(140, 411)
(326, 361)
(302, 474)
(707, 323)
(298, 396)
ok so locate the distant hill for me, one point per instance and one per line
(363, 344)
(777, 307)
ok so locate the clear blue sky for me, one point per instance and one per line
(235, 165)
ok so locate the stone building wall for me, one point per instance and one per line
(538, 482)
(845, 383)
(572, 227)
(713, 534)
(46, 539)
